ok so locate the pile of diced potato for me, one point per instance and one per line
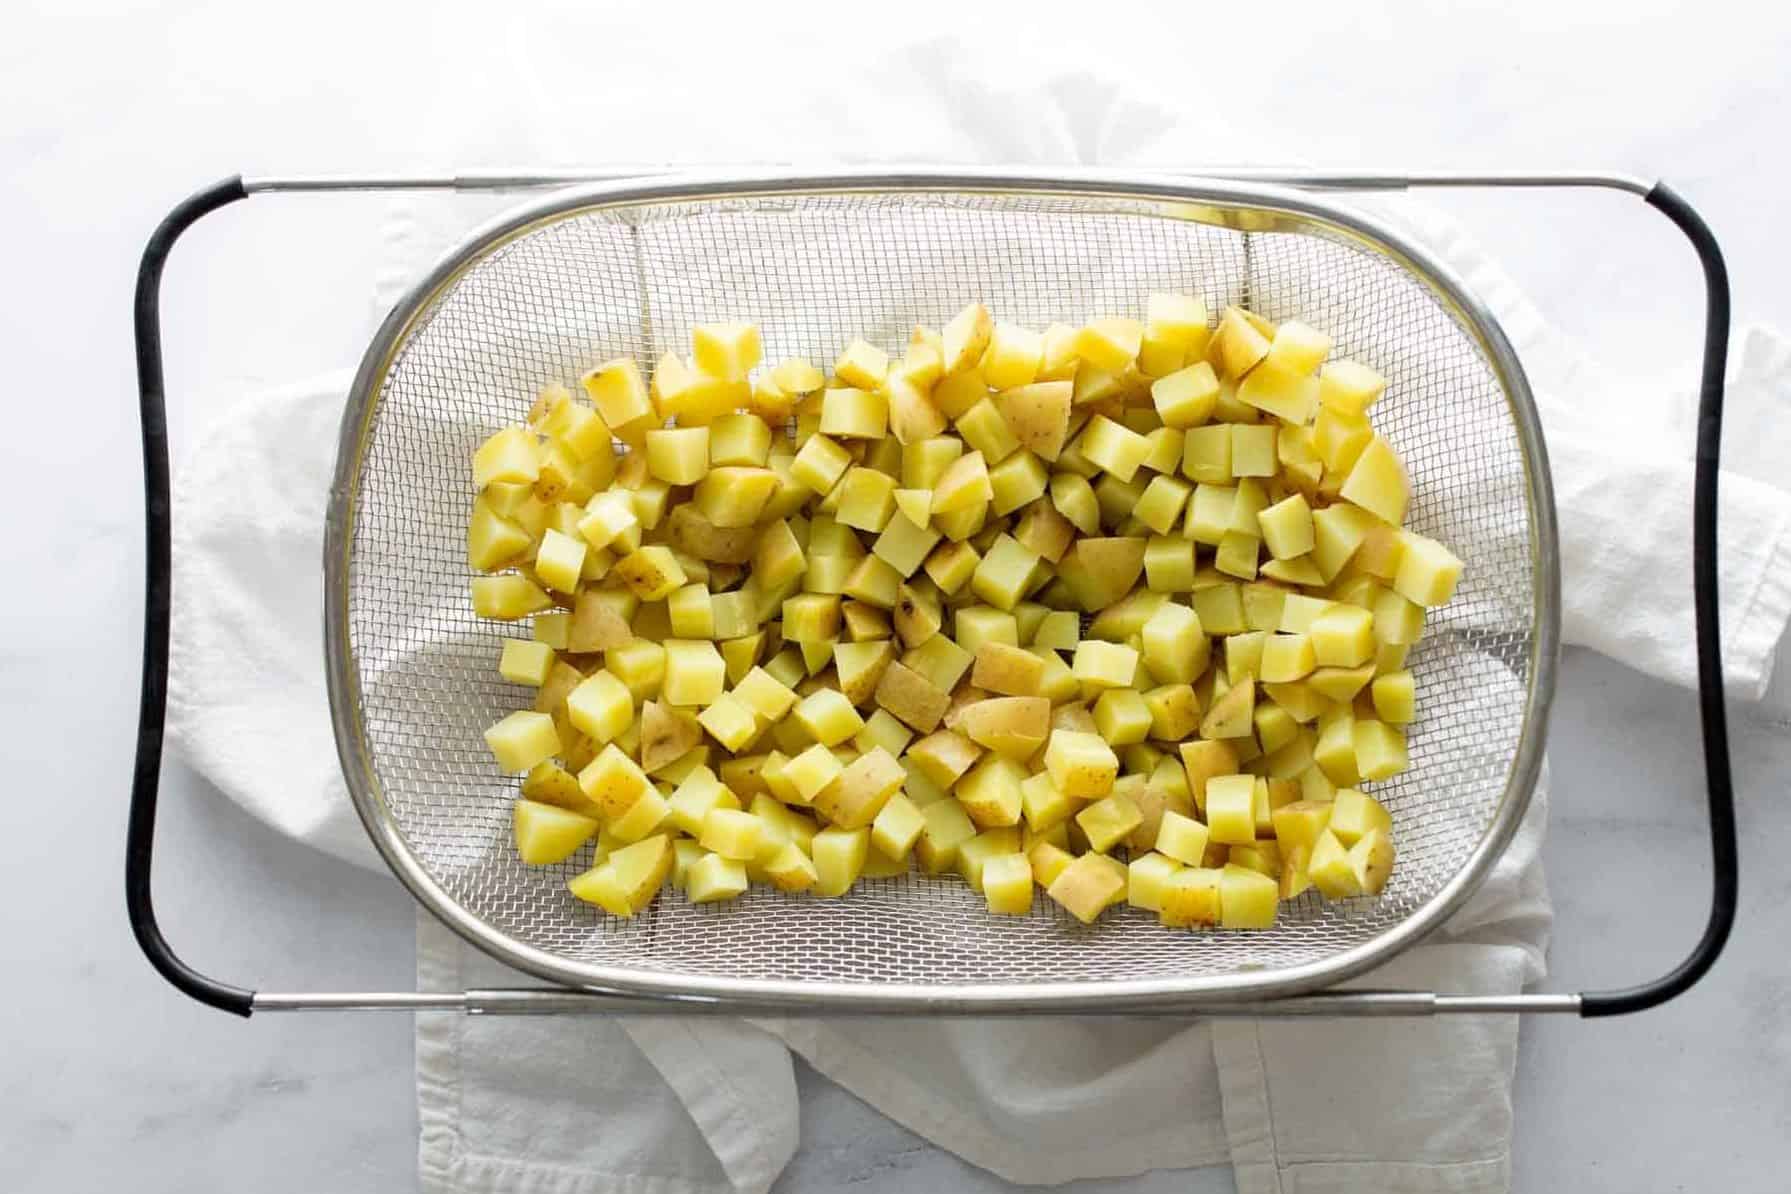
(1120, 611)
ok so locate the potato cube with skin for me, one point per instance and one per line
(1377, 482)
(965, 338)
(618, 391)
(1161, 505)
(1342, 636)
(839, 856)
(1286, 658)
(694, 672)
(860, 667)
(613, 782)
(1230, 809)
(1038, 415)
(1087, 887)
(1174, 712)
(1100, 665)
(1011, 726)
(1191, 897)
(1287, 527)
(526, 662)
(1113, 447)
(855, 798)
(1371, 858)
(1247, 899)
(1081, 765)
(1394, 697)
(1001, 576)
(1122, 717)
(522, 740)
(1004, 668)
(1380, 749)
(820, 463)
(1349, 387)
(1186, 397)
(1428, 572)
(680, 455)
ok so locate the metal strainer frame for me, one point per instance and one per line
(1246, 202)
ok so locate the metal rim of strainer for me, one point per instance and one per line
(1209, 201)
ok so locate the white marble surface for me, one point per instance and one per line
(106, 1076)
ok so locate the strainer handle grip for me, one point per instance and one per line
(1711, 700)
(152, 704)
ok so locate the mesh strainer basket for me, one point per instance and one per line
(627, 267)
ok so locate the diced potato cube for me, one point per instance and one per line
(1174, 712)
(1291, 397)
(1237, 344)
(1088, 886)
(729, 721)
(897, 826)
(1371, 858)
(493, 541)
(1081, 765)
(863, 365)
(873, 582)
(628, 879)
(1380, 749)
(1287, 527)
(1169, 564)
(610, 521)
(1019, 479)
(546, 834)
(691, 613)
(522, 739)
(1186, 397)
(1230, 809)
(732, 834)
(1286, 657)
(1297, 348)
(1237, 555)
(1177, 319)
(1377, 483)
(601, 707)
(811, 618)
(964, 339)
(1253, 450)
(1247, 899)
(508, 598)
(1038, 415)
(736, 439)
(1074, 498)
(734, 497)
(1181, 838)
(947, 827)
(828, 716)
(1349, 387)
(1382, 551)
(1190, 897)
(680, 456)
(984, 430)
(1394, 697)
(990, 791)
(862, 789)
(940, 661)
(1300, 823)
(1113, 447)
(618, 391)
(911, 697)
(1231, 715)
(1341, 683)
(1007, 884)
(1335, 750)
(696, 797)
(812, 771)
(1161, 505)
(1122, 717)
(1428, 571)
(525, 662)
(1001, 667)
(839, 856)
(728, 350)
(640, 665)
(1146, 878)
(695, 673)
(962, 485)
(820, 463)
(1109, 344)
(849, 413)
(1330, 869)
(1396, 620)
(652, 573)
(790, 869)
(509, 457)
(1206, 454)
(1342, 636)
(1001, 576)
(716, 877)
(1011, 726)
(1339, 440)
(1100, 665)
(1042, 804)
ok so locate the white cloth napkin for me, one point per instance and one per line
(682, 1107)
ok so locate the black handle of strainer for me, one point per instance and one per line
(158, 589)
(1711, 699)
